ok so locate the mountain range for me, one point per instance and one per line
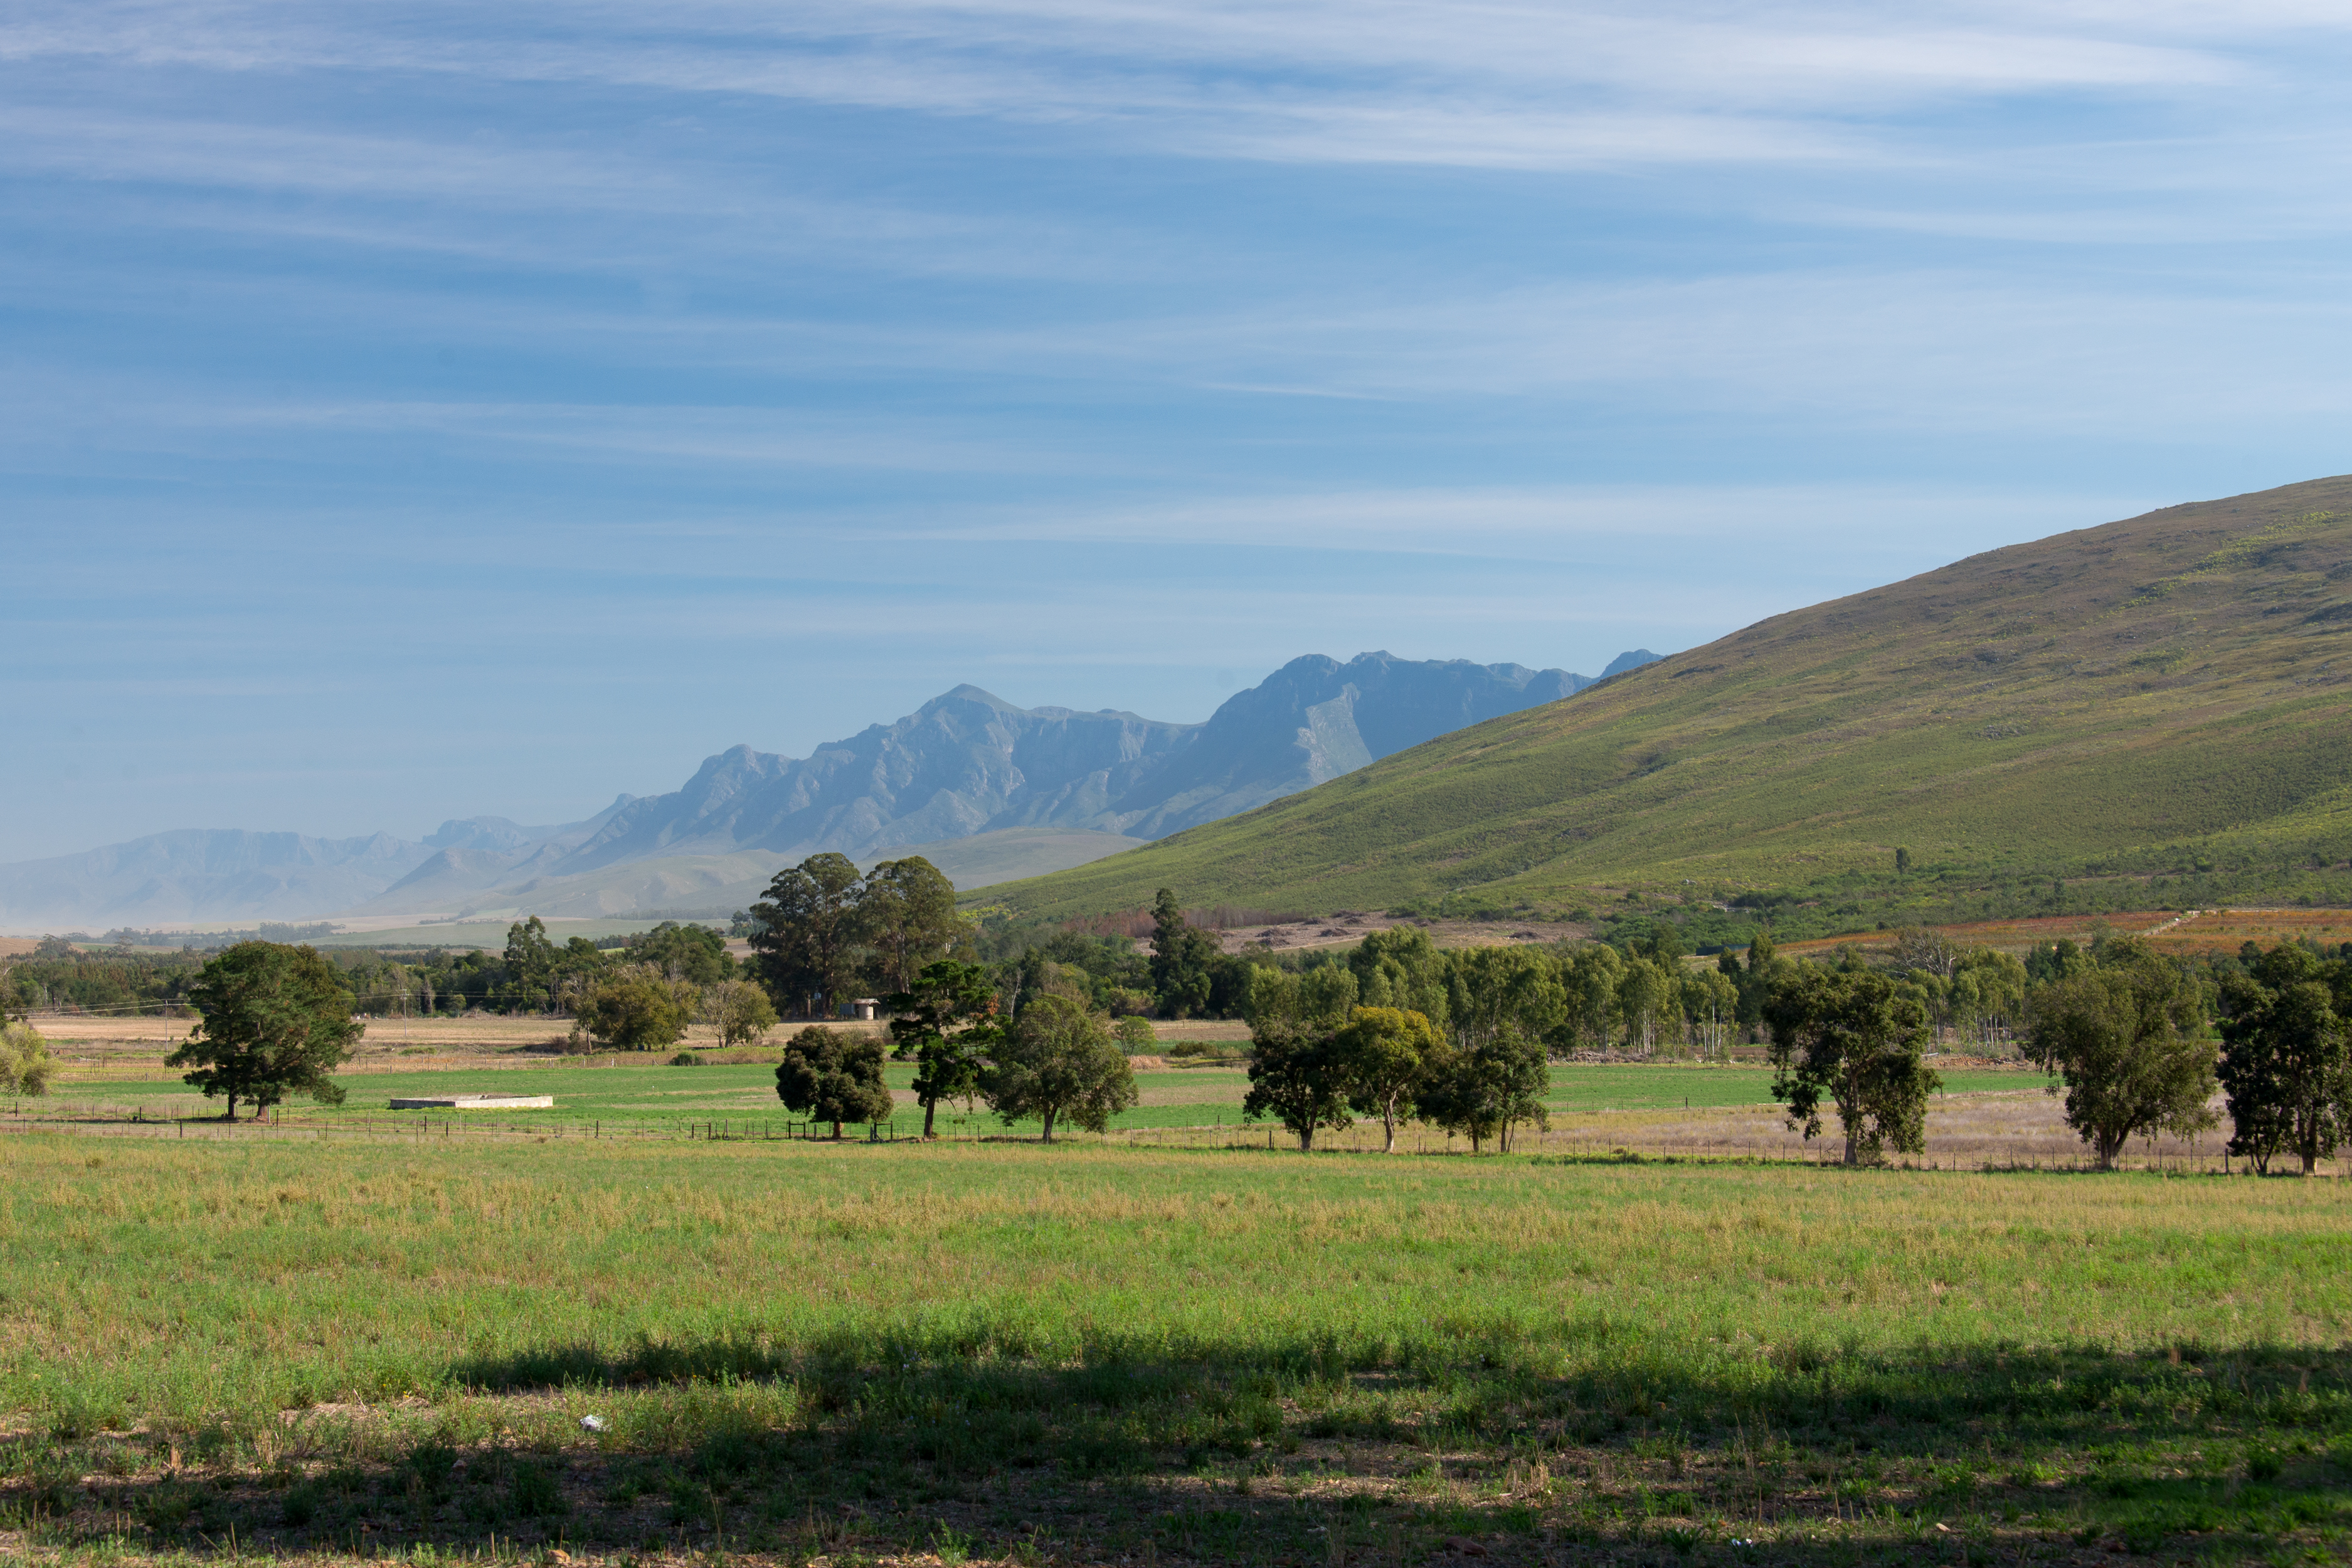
(2163, 701)
(986, 790)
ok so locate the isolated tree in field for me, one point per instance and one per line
(2124, 1036)
(2287, 1067)
(1482, 1092)
(740, 1011)
(1384, 1055)
(1135, 1036)
(1182, 955)
(1297, 1076)
(946, 1024)
(812, 932)
(637, 1008)
(833, 1075)
(1853, 1038)
(26, 1065)
(1058, 1063)
(274, 1021)
(910, 920)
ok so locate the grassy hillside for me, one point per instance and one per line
(2170, 696)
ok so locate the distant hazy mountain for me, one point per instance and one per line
(229, 874)
(969, 763)
(1048, 787)
(205, 874)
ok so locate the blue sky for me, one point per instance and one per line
(414, 410)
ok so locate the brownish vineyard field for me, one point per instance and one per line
(795, 1352)
(2189, 933)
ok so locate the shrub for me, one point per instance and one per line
(26, 1065)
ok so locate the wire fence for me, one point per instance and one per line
(1583, 1144)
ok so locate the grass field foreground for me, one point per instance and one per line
(1090, 1355)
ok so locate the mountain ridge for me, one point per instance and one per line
(1054, 783)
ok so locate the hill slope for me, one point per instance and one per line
(2151, 692)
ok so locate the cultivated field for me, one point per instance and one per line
(2189, 933)
(1989, 1116)
(795, 1352)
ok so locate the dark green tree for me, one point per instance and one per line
(1855, 1039)
(833, 1075)
(275, 1020)
(910, 920)
(2287, 1067)
(1057, 1062)
(1482, 1090)
(694, 953)
(811, 935)
(1297, 1075)
(636, 1009)
(945, 1023)
(1182, 956)
(530, 966)
(2124, 1038)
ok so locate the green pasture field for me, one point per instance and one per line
(637, 1093)
(1007, 1352)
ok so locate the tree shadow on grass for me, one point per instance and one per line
(973, 1444)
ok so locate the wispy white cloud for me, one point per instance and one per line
(1565, 86)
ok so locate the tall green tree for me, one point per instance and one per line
(1490, 988)
(695, 953)
(1059, 1063)
(833, 1075)
(274, 1021)
(945, 1023)
(811, 932)
(1384, 1055)
(1401, 967)
(530, 966)
(1183, 957)
(910, 920)
(2287, 1067)
(1856, 1040)
(2124, 1038)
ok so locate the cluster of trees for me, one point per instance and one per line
(826, 935)
(2136, 1042)
(1056, 1060)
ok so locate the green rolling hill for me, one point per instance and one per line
(2168, 696)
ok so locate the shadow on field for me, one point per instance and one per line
(981, 1446)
